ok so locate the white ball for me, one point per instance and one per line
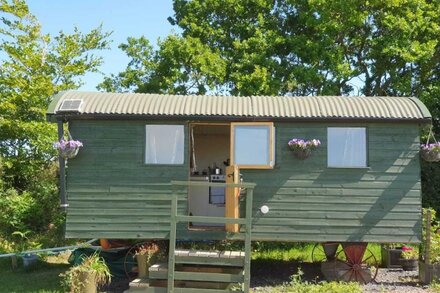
(264, 209)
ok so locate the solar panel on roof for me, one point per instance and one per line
(70, 105)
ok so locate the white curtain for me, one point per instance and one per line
(347, 147)
(164, 144)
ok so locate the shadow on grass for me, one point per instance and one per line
(40, 277)
(277, 272)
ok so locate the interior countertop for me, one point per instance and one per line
(199, 178)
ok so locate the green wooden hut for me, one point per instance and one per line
(362, 184)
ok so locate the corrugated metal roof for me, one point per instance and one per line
(320, 107)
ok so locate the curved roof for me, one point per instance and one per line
(95, 105)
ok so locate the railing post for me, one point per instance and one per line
(247, 241)
(172, 247)
(428, 238)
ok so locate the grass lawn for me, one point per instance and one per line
(41, 278)
(44, 277)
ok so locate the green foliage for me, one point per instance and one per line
(23, 241)
(180, 66)
(430, 184)
(264, 47)
(43, 278)
(92, 264)
(298, 285)
(434, 227)
(410, 253)
(34, 66)
(435, 286)
(15, 210)
(6, 246)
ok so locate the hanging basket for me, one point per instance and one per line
(302, 148)
(67, 149)
(302, 154)
(69, 152)
(430, 155)
(430, 152)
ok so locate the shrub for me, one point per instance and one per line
(15, 210)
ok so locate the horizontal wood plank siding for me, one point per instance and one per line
(111, 192)
(310, 202)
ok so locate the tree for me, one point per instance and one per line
(180, 66)
(298, 47)
(34, 66)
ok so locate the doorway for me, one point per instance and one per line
(209, 156)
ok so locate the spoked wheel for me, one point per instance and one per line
(130, 262)
(325, 251)
(356, 263)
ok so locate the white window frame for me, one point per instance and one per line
(270, 145)
(359, 163)
(179, 146)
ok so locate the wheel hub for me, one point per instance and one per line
(357, 267)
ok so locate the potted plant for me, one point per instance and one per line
(302, 148)
(68, 148)
(430, 152)
(409, 258)
(145, 255)
(24, 243)
(85, 277)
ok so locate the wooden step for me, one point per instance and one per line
(219, 258)
(198, 273)
(141, 284)
(189, 290)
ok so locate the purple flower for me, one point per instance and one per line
(67, 144)
(302, 144)
(431, 146)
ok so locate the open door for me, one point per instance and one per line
(232, 197)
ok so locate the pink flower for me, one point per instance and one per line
(406, 248)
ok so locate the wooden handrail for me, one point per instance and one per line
(246, 222)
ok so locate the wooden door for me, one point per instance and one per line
(232, 197)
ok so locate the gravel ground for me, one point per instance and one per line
(267, 274)
(396, 280)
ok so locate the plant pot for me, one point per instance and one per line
(391, 257)
(87, 282)
(69, 153)
(142, 264)
(409, 264)
(430, 155)
(29, 260)
(302, 154)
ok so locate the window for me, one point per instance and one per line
(252, 145)
(164, 144)
(347, 147)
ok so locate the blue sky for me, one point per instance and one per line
(125, 18)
